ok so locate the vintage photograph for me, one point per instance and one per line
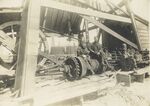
(74, 53)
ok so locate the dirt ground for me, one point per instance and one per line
(138, 94)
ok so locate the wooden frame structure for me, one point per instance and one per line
(28, 49)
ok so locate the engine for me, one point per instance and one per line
(79, 67)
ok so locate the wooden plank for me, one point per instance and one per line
(140, 19)
(80, 88)
(48, 57)
(139, 77)
(111, 11)
(143, 42)
(84, 2)
(110, 6)
(7, 42)
(56, 91)
(90, 28)
(125, 78)
(28, 48)
(140, 74)
(146, 36)
(143, 31)
(108, 30)
(144, 39)
(87, 31)
(58, 21)
(54, 17)
(11, 11)
(64, 23)
(133, 24)
(80, 10)
(116, 8)
(121, 4)
(119, 8)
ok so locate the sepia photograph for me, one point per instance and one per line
(74, 53)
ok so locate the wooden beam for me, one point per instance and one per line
(83, 11)
(119, 8)
(7, 41)
(90, 28)
(47, 56)
(99, 34)
(11, 11)
(94, 27)
(83, 2)
(121, 4)
(111, 32)
(110, 6)
(28, 48)
(111, 11)
(138, 18)
(133, 23)
(87, 31)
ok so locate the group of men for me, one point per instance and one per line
(85, 48)
(129, 55)
(130, 58)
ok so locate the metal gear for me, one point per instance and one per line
(72, 68)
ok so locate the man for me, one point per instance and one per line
(127, 60)
(131, 52)
(125, 51)
(82, 49)
(138, 57)
(83, 52)
(97, 48)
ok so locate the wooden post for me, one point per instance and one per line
(86, 30)
(133, 23)
(99, 34)
(28, 48)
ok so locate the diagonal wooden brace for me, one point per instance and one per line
(110, 31)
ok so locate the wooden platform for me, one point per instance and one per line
(69, 90)
(57, 91)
